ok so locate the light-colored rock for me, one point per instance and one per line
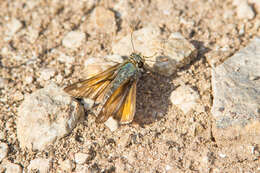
(12, 167)
(18, 96)
(81, 158)
(47, 73)
(102, 20)
(88, 103)
(244, 10)
(3, 82)
(112, 124)
(66, 165)
(3, 150)
(164, 56)
(2, 135)
(50, 114)
(124, 141)
(41, 165)
(13, 26)
(122, 8)
(28, 79)
(66, 59)
(81, 169)
(236, 91)
(184, 98)
(165, 6)
(32, 34)
(256, 4)
(74, 39)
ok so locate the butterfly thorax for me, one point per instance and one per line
(137, 60)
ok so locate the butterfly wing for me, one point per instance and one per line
(121, 104)
(128, 107)
(93, 87)
(114, 103)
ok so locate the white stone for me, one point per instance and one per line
(3, 150)
(73, 39)
(12, 168)
(88, 103)
(3, 82)
(66, 165)
(13, 26)
(59, 78)
(47, 74)
(18, 96)
(244, 10)
(2, 135)
(50, 114)
(32, 34)
(66, 59)
(185, 98)
(165, 6)
(112, 124)
(168, 168)
(28, 79)
(41, 165)
(164, 56)
(81, 158)
(222, 155)
(102, 20)
(81, 169)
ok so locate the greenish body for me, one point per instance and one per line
(127, 72)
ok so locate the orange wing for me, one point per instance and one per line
(127, 111)
(114, 103)
(121, 104)
(93, 87)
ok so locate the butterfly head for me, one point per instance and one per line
(137, 59)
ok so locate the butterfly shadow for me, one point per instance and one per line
(152, 102)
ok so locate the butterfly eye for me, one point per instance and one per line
(140, 64)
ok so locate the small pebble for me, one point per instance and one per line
(12, 168)
(41, 165)
(185, 98)
(244, 10)
(47, 74)
(13, 26)
(112, 124)
(73, 39)
(81, 158)
(3, 150)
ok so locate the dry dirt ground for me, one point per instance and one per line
(162, 138)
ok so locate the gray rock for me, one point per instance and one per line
(45, 116)
(164, 56)
(236, 91)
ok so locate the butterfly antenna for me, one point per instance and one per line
(132, 41)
